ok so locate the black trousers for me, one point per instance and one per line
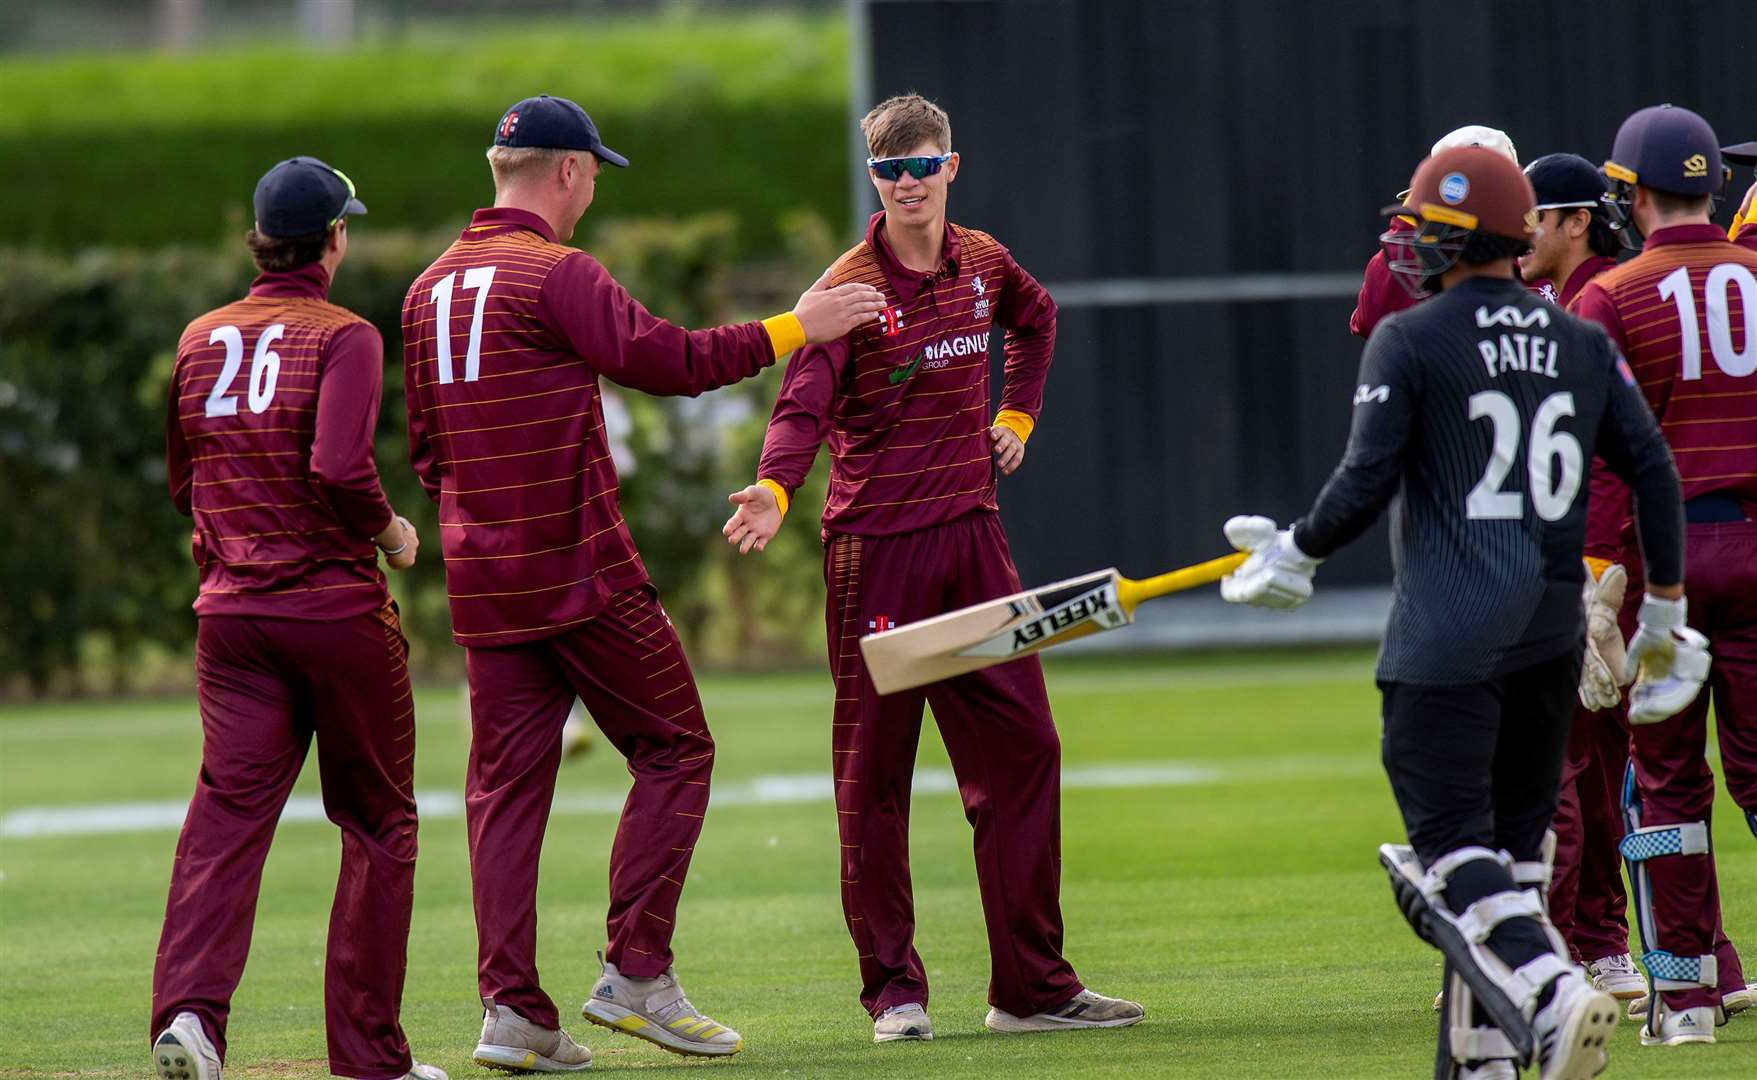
(1480, 764)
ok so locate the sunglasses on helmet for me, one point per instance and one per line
(919, 167)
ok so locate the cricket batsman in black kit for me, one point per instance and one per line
(1476, 415)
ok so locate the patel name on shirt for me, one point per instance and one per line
(1531, 353)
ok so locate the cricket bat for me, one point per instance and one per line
(999, 630)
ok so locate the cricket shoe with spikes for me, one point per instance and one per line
(183, 1051)
(1738, 1001)
(1574, 1029)
(1683, 1026)
(1616, 976)
(510, 1043)
(657, 1010)
(1498, 1069)
(1084, 1010)
(908, 1021)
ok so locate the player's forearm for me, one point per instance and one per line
(1350, 502)
(1659, 519)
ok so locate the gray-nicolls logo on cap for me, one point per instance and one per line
(509, 124)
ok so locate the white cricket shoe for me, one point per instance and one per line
(1084, 1010)
(902, 1022)
(1684, 1026)
(1616, 976)
(1497, 1069)
(1739, 1000)
(184, 1052)
(657, 1010)
(510, 1043)
(1573, 1030)
(418, 1071)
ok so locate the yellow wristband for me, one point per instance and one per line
(1018, 423)
(785, 333)
(1597, 566)
(780, 493)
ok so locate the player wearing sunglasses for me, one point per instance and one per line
(912, 529)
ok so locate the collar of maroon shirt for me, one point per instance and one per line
(506, 217)
(908, 283)
(1684, 234)
(1585, 272)
(310, 280)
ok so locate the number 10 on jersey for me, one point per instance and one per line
(478, 278)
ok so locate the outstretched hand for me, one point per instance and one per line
(755, 521)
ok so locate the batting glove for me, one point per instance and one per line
(1277, 575)
(1602, 676)
(1672, 661)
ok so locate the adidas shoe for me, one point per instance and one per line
(1684, 1026)
(183, 1051)
(1573, 1030)
(1084, 1010)
(657, 1010)
(902, 1022)
(1616, 976)
(510, 1043)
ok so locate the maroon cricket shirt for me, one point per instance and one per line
(1706, 405)
(506, 428)
(904, 401)
(268, 443)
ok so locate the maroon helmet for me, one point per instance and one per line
(1453, 196)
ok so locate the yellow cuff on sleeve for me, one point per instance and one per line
(1739, 224)
(1016, 422)
(785, 333)
(780, 492)
(1598, 566)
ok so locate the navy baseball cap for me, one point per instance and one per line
(1744, 153)
(553, 123)
(302, 197)
(1667, 148)
(1566, 182)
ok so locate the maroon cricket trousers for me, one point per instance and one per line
(266, 686)
(1587, 901)
(1005, 753)
(1671, 764)
(628, 667)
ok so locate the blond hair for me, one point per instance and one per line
(513, 164)
(900, 124)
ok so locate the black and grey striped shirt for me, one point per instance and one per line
(1479, 412)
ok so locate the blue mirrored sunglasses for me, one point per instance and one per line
(918, 167)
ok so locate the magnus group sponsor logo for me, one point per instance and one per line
(961, 345)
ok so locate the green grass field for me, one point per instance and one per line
(1220, 821)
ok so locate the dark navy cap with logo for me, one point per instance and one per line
(553, 123)
(1667, 148)
(302, 197)
(1566, 181)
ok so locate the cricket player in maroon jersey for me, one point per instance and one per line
(268, 443)
(505, 338)
(1380, 292)
(1573, 243)
(911, 529)
(1684, 313)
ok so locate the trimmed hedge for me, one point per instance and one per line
(97, 560)
(745, 116)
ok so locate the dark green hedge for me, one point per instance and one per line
(97, 571)
(744, 115)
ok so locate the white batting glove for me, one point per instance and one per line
(1602, 676)
(1277, 575)
(1672, 661)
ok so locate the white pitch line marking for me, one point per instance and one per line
(792, 788)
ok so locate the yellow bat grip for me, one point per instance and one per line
(1131, 592)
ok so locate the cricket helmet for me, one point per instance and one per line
(1454, 195)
